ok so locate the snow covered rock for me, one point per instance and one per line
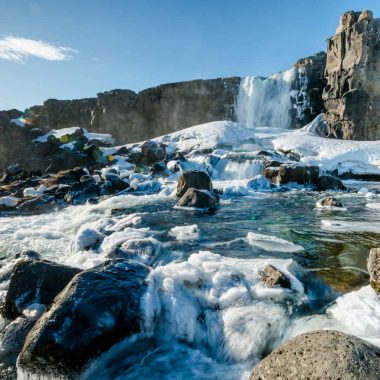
(99, 307)
(195, 179)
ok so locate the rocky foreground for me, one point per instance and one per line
(59, 318)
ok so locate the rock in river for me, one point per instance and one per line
(98, 308)
(321, 355)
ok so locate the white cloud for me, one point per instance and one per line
(18, 49)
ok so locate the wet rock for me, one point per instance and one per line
(329, 182)
(12, 340)
(299, 174)
(329, 202)
(159, 169)
(38, 204)
(374, 268)
(271, 173)
(271, 277)
(35, 281)
(193, 179)
(117, 183)
(65, 177)
(195, 198)
(99, 307)
(80, 192)
(321, 355)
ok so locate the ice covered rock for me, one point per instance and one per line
(235, 189)
(87, 238)
(329, 182)
(321, 355)
(259, 183)
(374, 268)
(34, 281)
(159, 169)
(99, 307)
(193, 179)
(38, 204)
(201, 199)
(142, 250)
(329, 202)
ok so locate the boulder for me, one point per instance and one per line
(352, 94)
(271, 277)
(321, 355)
(12, 339)
(329, 202)
(152, 152)
(329, 182)
(374, 269)
(99, 307)
(271, 172)
(201, 199)
(195, 179)
(35, 281)
(159, 169)
(142, 250)
(80, 192)
(35, 205)
(299, 174)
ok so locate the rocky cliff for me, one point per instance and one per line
(352, 94)
(307, 89)
(132, 117)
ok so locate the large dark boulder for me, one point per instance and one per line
(374, 269)
(201, 199)
(35, 281)
(299, 174)
(195, 179)
(98, 308)
(81, 191)
(321, 355)
(329, 182)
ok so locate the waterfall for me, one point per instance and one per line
(266, 102)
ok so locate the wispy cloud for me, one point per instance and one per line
(19, 49)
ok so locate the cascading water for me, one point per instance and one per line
(265, 102)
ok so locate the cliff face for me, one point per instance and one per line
(352, 94)
(307, 89)
(132, 117)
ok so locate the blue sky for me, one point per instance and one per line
(81, 47)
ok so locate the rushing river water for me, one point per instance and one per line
(206, 314)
